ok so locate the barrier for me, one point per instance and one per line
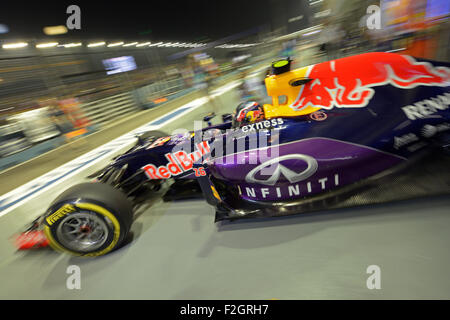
(110, 108)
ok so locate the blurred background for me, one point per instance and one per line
(58, 85)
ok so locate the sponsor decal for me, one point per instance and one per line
(338, 83)
(318, 116)
(427, 107)
(429, 130)
(404, 140)
(199, 172)
(61, 212)
(178, 162)
(292, 176)
(266, 124)
(289, 174)
(294, 190)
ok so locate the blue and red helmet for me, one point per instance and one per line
(248, 112)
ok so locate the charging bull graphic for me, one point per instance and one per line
(348, 82)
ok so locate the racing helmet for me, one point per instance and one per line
(248, 112)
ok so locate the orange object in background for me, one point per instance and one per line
(421, 48)
(411, 16)
(160, 100)
(74, 113)
(76, 133)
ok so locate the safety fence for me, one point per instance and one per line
(111, 108)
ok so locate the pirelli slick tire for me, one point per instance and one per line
(88, 219)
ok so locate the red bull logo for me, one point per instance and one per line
(178, 162)
(349, 82)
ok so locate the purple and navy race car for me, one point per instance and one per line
(358, 130)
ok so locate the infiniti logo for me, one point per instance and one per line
(289, 174)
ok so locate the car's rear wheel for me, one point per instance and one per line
(88, 219)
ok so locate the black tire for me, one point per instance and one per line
(103, 211)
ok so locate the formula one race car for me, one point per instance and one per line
(339, 133)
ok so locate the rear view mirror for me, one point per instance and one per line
(227, 117)
(299, 82)
(209, 116)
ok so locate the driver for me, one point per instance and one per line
(248, 112)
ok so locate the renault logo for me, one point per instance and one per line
(289, 174)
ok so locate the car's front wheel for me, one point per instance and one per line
(88, 219)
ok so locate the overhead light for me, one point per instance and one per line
(70, 45)
(143, 44)
(47, 45)
(54, 30)
(115, 44)
(241, 45)
(130, 44)
(15, 45)
(96, 44)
